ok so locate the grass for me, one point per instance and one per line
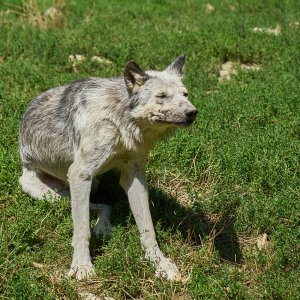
(224, 193)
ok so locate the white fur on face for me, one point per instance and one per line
(166, 102)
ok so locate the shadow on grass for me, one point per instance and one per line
(193, 224)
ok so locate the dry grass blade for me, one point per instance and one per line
(53, 17)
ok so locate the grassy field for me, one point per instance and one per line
(225, 194)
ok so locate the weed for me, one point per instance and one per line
(53, 17)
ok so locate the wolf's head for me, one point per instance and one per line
(159, 98)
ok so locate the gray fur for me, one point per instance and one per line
(71, 135)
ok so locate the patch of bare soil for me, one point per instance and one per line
(77, 59)
(230, 68)
(209, 8)
(275, 31)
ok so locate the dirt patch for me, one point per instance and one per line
(209, 8)
(101, 60)
(230, 68)
(262, 241)
(294, 25)
(275, 31)
(227, 70)
(78, 59)
(233, 8)
(90, 296)
(250, 67)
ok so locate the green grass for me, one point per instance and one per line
(216, 188)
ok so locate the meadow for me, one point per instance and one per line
(224, 193)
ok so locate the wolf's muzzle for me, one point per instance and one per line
(191, 115)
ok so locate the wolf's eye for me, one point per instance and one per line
(161, 95)
(185, 94)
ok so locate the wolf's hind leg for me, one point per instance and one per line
(42, 186)
(100, 202)
(103, 224)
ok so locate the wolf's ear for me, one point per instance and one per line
(134, 76)
(177, 66)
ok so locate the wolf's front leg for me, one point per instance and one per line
(80, 186)
(135, 184)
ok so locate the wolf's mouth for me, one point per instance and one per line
(176, 123)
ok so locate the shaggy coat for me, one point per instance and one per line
(71, 135)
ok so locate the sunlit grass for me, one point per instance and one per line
(224, 193)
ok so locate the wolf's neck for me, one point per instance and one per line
(133, 133)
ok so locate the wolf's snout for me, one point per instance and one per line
(191, 114)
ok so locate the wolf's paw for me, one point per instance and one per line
(81, 271)
(103, 228)
(167, 269)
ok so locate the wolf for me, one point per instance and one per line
(72, 135)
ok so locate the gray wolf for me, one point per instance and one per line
(73, 134)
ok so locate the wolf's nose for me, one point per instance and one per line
(191, 114)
